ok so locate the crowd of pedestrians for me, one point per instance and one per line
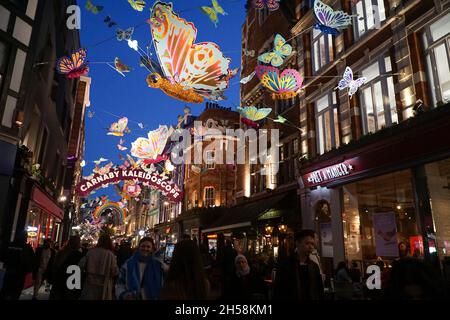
(195, 272)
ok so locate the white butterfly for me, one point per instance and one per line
(133, 44)
(348, 82)
(248, 78)
(97, 162)
(141, 125)
(82, 164)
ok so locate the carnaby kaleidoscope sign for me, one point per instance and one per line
(154, 179)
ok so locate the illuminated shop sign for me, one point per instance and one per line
(328, 174)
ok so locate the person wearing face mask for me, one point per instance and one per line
(141, 276)
(245, 284)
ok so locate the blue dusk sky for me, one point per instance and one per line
(113, 95)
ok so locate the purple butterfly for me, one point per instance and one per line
(271, 5)
(330, 21)
(348, 82)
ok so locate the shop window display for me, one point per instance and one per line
(379, 213)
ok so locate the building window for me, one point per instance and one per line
(370, 15)
(436, 40)
(327, 123)
(378, 103)
(295, 146)
(322, 46)
(4, 53)
(195, 198)
(209, 197)
(167, 211)
(210, 161)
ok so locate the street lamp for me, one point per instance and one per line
(62, 199)
(282, 228)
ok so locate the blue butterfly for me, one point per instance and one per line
(330, 21)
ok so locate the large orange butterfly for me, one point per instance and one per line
(74, 66)
(191, 71)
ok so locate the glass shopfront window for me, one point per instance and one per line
(378, 214)
(41, 225)
(438, 182)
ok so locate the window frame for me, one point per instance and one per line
(331, 108)
(429, 50)
(207, 199)
(356, 31)
(381, 78)
(329, 57)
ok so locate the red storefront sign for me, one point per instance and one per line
(46, 203)
(328, 174)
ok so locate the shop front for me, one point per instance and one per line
(388, 192)
(44, 218)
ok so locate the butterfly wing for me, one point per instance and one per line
(137, 5)
(272, 5)
(259, 4)
(173, 38)
(254, 114)
(128, 33)
(270, 77)
(281, 47)
(158, 139)
(268, 57)
(346, 79)
(211, 13)
(65, 65)
(355, 85)
(248, 78)
(200, 66)
(290, 81)
(218, 8)
(330, 18)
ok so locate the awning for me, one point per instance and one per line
(245, 214)
(47, 203)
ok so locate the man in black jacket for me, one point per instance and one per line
(298, 277)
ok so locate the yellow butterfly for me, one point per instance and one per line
(93, 8)
(137, 5)
(213, 11)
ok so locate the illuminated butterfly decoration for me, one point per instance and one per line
(212, 12)
(271, 5)
(348, 82)
(141, 125)
(137, 5)
(330, 21)
(250, 115)
(120, 67)
(74, 66)
(168, 166)
(119, 128)
(151, 149)
(133, 44)
(91, 114)
(93, 8)
(125, 165)
(131, 189)
(83, 164)
(97, 162)
(278, 54)
(248, 78)
(104, 169)
(124, 34)
(283, 86)
(120, 145)
(196, 68)
(109, 22)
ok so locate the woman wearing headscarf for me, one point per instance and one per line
(245, 284)
(141, 276)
